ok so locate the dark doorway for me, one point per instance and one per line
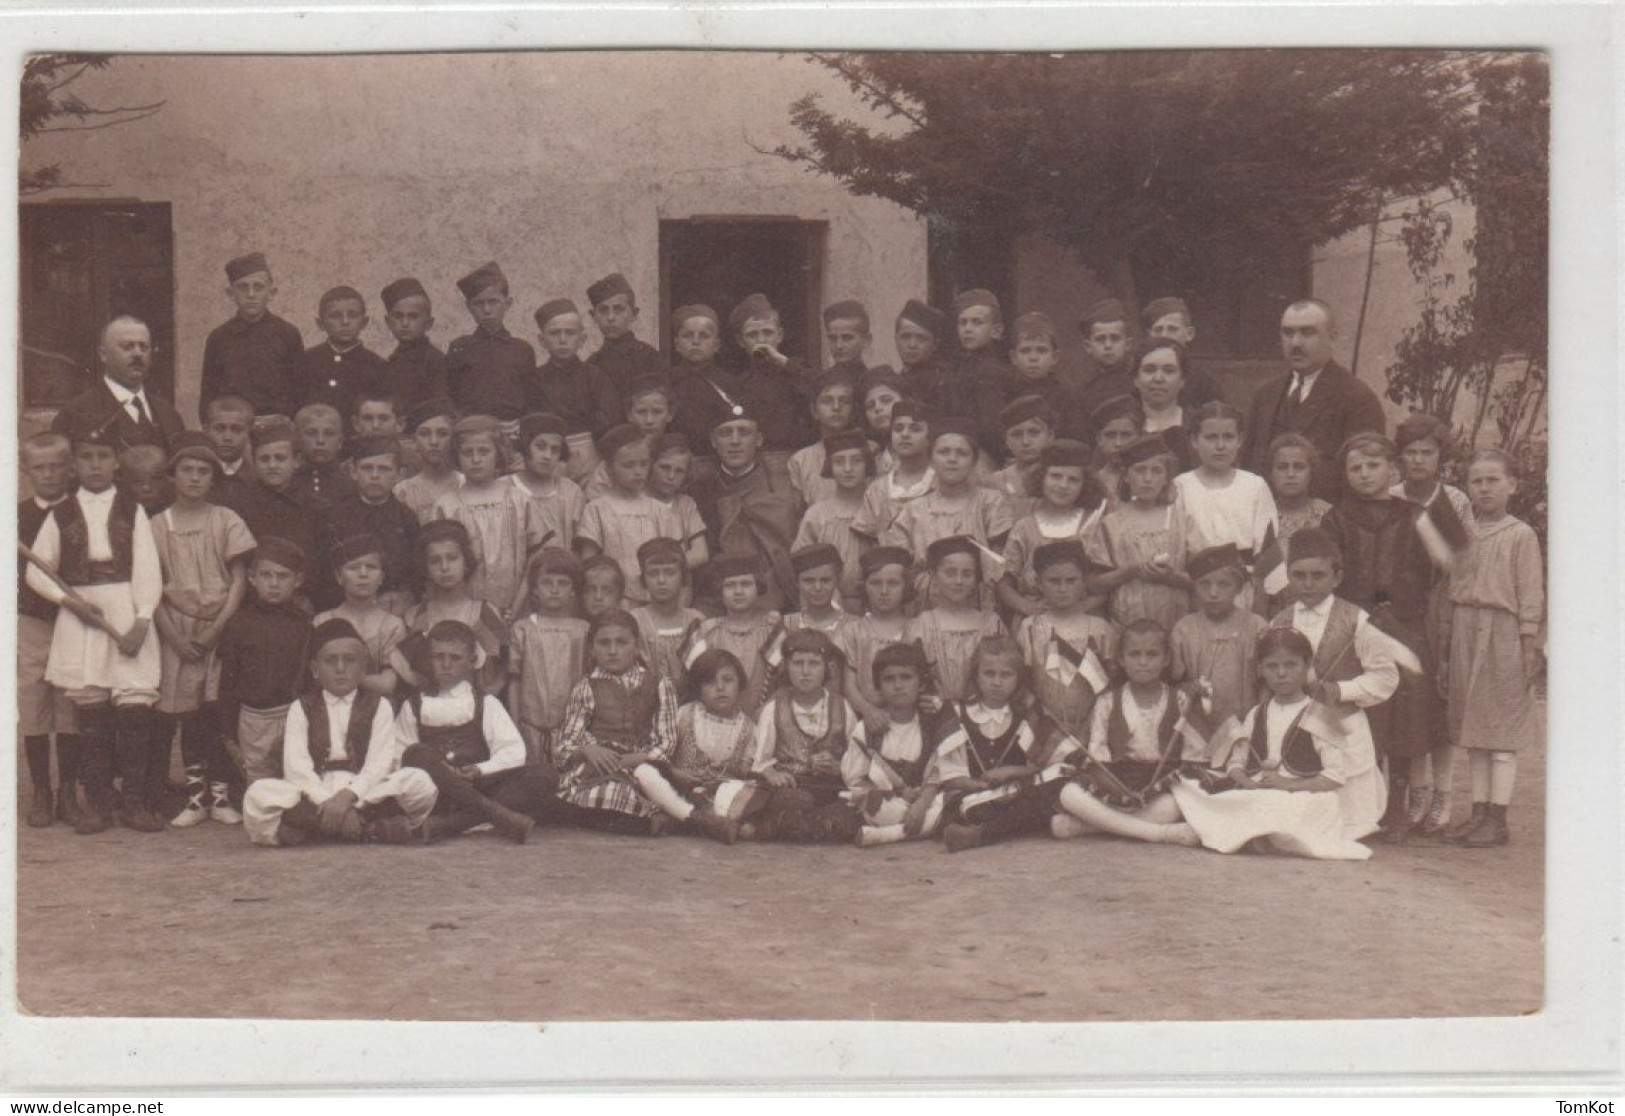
(718, 261)
(82, 264)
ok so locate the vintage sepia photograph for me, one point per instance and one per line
(656, 535)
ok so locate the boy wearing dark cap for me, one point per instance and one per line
(570, 388)
(256, 354)
(262, 657)
(429, 426)
(416, 370)
(331, 372)
(748, 508)
(486, 370)
(1169, 319)
(340, 777)
(622, 358)
(846, 334)
(920, 333)
(771, 386)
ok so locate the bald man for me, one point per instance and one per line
(119, 399)
(1316, 397)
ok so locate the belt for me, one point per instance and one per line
(104, 573)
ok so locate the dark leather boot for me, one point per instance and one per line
(1459, 831)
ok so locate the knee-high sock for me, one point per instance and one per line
(1399, 770)
(132, 740)
(67, 759)
(659, 790)
(96, 732)
(38, 750)
(1503, 773)
(1090, 810)
(1478, 764)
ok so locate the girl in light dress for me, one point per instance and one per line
(887, 590)
(665, 622)
(626, 517)
(910, 476)
(449, 564)
(496, 513)
(745, 627)
(548, 651)
(1070, 507)
(556, 501)
(1140, 545)
(203, 550)
(1497, 598)
(957, 506)
(1221, 503)
(949, 631)
(1302, 783)
(848, 462)
(1293, 460)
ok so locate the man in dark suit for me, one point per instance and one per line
(1316, 398)
(120, 400)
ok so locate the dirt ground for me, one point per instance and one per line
(581, 925)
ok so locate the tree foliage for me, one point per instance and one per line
(1234, 156)
(49, 105)
(1478, 351)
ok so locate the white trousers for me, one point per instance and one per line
(265, 799)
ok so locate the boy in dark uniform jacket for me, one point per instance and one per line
(622, 358)
(573, 389)
(333, 371)
(1033, 358)
(41, 708)
(772, 387)
(486, 370)
(270, 504)
(920, 333)
(340, 778)
(970, 385)
(256, 354)
(374, 510)
(847, 335)
(416, 370)
(228, 421)
(469, 746)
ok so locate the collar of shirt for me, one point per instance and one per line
(983, 717)
(101, 499)
(124, 395)
(489, 333)
(47, 505)
(340, 354)
(1323, 609)
(231, 468)
(450, 707)
(1305, 382)
(724, 471)
(631, 679)
(334, 701)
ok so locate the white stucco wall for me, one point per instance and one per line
(357, 170)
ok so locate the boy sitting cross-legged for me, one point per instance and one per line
(340, 776)
(469, 746)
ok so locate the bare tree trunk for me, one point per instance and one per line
(1365, 295)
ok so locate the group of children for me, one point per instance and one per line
(1016, 607)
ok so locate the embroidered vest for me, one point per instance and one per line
(459, 745)
(797, 752)
(1118, 735)
(987, 752)
(356, 735)
(622, 718)
(74, 563)
(1298, 755)
(1335, 653)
